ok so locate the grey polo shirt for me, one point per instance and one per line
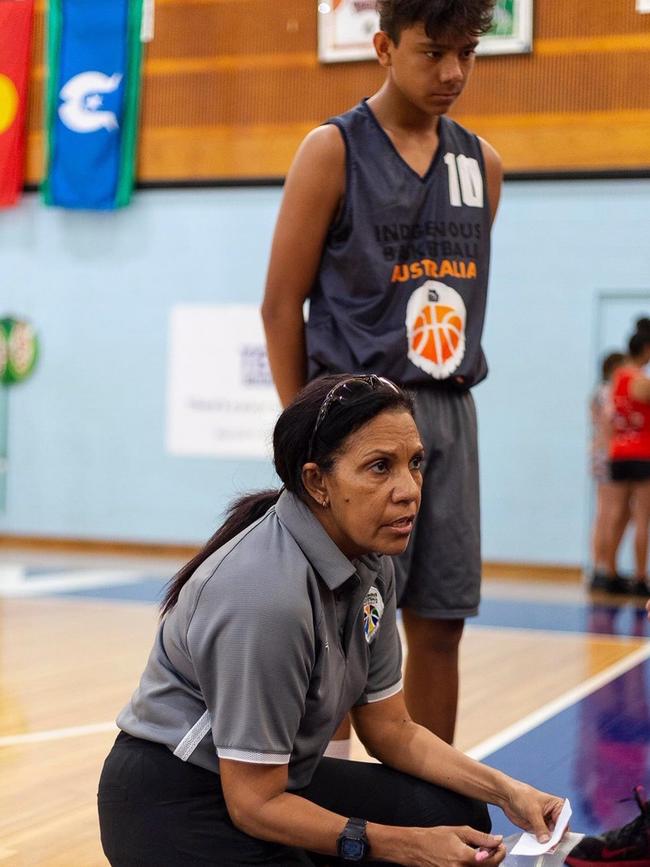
(273, 639)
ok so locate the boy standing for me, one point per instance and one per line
(385, 227)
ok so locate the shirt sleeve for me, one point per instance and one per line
(253, 653)
(385, 672)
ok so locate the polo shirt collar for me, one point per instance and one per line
(319, 548)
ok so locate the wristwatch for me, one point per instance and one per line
(352, 844)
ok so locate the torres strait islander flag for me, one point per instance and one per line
(15, 44)
(93, 94)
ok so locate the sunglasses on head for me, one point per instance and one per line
(347, 389)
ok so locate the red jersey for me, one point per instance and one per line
(631, 427)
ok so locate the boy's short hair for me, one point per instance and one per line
(438, 16)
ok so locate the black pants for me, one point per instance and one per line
(157, 811)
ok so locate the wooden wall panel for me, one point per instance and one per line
(574, 84)
(569, 18)
(231, 86)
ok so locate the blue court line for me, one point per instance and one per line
(593, 752)
(148, 589)
(594, 618)
(35, 572)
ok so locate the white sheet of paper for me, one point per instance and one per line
(527, 843)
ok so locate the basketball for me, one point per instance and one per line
(435, 324)
(437, 332)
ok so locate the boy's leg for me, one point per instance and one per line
(431, 672)
(439, 575)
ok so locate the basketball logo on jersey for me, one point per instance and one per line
(435, 329)
(373, 608)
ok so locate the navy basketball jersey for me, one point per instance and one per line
(402, 284)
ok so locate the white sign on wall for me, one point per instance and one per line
(220, 395)
(643, 5)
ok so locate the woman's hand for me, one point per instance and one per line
(532, 810)
(451, 847)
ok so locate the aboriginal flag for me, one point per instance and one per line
(15, 44)
(93, 94)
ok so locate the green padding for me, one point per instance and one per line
(54, 29)
(18, 351)
(131, 107)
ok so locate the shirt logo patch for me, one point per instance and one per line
(373, 608)
(435, 327)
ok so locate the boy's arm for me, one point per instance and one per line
(313, 192)
(494, 173)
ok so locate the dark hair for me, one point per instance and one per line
(638, 342)
(643, 324)
(610, 363)
(438, 16)
(292, 438)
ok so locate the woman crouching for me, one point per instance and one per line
(279, 627)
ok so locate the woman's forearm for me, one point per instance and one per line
(414, 750)
(292, 820)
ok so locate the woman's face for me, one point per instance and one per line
(373, 490)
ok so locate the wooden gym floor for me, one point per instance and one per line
(555, 689)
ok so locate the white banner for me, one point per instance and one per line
(220, 396)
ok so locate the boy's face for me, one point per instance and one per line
(430, 73)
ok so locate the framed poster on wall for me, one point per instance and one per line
(346, 28)
(512, 29)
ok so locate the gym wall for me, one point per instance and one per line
(87, 453)
(232, 86)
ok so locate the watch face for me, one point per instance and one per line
(353, 850)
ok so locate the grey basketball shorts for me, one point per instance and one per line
(439, 574)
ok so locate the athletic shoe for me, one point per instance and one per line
(609, 583)
(628, 846)
(639, 587)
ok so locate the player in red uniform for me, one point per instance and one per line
(630, 453)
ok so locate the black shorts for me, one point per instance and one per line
(629, 471)
(155, 809)
(439, 575)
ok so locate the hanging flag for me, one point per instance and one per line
(93, 95)
(15, 44)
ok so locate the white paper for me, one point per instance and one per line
(555, 858)
(643, 6)
(528, 844)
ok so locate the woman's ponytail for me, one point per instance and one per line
(241, 514)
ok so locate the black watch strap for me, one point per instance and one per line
(353, 843)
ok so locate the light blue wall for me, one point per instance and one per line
(556, 247)
(86, 445)
(86, 438)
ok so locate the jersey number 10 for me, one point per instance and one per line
(465, 181)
